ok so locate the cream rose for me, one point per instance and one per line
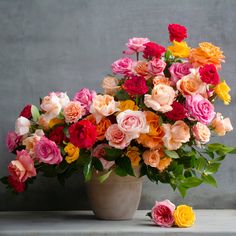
(201, 133)
(110, 85)
(221, 125)
(22, 126)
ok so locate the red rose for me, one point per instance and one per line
(177, 32)
(57, 135)
(209, 74)
(178, 112)
(135, 86)
(83, 134)
(153, 49)
(26, 112)
(18, 187)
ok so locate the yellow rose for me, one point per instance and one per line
(55, 121)
(127, 105)
(184, 216)
(134, 155)
(222, 91)
(179, 49)
(72, 153)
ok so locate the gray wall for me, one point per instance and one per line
(52, 45)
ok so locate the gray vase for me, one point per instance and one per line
(117, 198)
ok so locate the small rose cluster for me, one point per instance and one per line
(166, 214)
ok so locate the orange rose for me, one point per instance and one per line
(102, 127)
(141, 68)
(161, 80)
(153, 139)
(163, 163)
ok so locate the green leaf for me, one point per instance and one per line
(119, 171)
(112, 154)
(125, 163)
(182, 190)
(191, 182)
(122, 95)
(62, 167)
(102, 178)
(208, 179)
(172, 154)
(87, 170)
(220, 158)
(97, 164)
(61, 116)
(212, 168)
(4, 180)
(35, 113)
(200, 163)
(149, 214)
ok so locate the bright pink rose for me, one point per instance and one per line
(85, 97)
(122, 66)
(178, 112)
(26, 112)
(163, 213)
(135, 86)
(177, 32)
(200, 109)
(156, 66)
(12, 140)
(153, 49)
(18, 187)
(47, 151)
(136, 45)
(209, 74)
(99, 152)
(178, 70)
(23, 167)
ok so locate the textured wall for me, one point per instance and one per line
(48, 45)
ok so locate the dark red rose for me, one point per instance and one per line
(209, 74)
(83, 134)
(177, 32)
(26, 112)
(178, 112)
(153, 49)
(135, 86)
(57, 135)
(18, 187)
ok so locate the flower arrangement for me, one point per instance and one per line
(157, 113)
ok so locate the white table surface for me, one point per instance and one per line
(68, 223)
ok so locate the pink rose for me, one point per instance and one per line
(116, 137)
(201, 133)
(12, 140)
(178, 70)
(99, 152)
(23, 167)
(47, 151)
(132, 123)
(85, 97)
(22, 126)
(156, 66)
(122, 66)
(221, 125)
(73, 111)
(136, 45)
(163, 213)
(200, 109)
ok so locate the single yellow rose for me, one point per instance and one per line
(55, 121)
(179, 49)
(134, 155)
(222, 91)
(184, 216)
(128, 105)
(72, 153)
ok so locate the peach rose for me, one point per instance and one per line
(161, 98)
(161, 80)
(221, 125)
(103, 105)
(152, 157)
(141, 68)
(175, 135)
(201, 133)
(22, 126)
(110, 85)
(164, 163)
(73, 111)
(102, 127)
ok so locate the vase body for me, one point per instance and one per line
(117, 198)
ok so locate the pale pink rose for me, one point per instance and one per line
(12, 140)
(156, 66)
(200, 109)
(132, 123)
(161, 98)
(201, 133)
(122, 66)
(103, 105)
(163, 213)
(110, 85)
(47, 151)
(22, 126)
(85, 97)
(23, 167)
(73, 111)
(178, 70)
(175, 135)
(99, 152)
(136, 45)
(221, 125)
(63, 98)
(116, 137)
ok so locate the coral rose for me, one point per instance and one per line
(184, 216)
(221, 125)
(136, 45)
(12, 140)
(179, 49)
(18, 186)
(140, 68)
(201, 133)
(135, 86)
(156, 66)
(73, 111)
(177, 32)
(153, 49)
(22, 126)
(122, 66)
(110, 85)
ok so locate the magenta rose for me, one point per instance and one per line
(163, 213)
(122, 66)
(47, 151)
(156, 66)
(85, 97)
(200, 109)
(136, 45)
(12, 140)
(178, 70)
